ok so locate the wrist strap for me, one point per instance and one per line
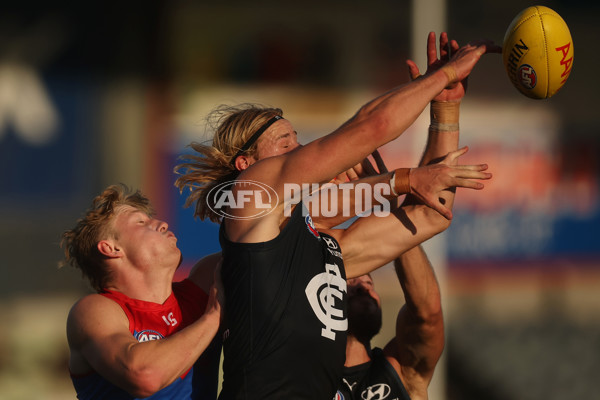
(450, 73)
(392, 180)
(444, 116)
(400, 181)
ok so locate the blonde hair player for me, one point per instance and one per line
(285, 281)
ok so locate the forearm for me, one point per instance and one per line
(443, 136)
(375, 124)
(153, 365)
(414, 271)
(351, 198)
(419, 284)
(386, 117)
(400, 107)
(373, 241)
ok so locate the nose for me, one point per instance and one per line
(363, 287)
(357, 287)
(162, 226)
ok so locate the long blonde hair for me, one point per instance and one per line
(213, 165)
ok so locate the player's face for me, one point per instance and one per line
(363, 285)
(279, 139)
(364, 309)
(145, 240)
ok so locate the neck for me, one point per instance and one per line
(143, 285)
(356, 352)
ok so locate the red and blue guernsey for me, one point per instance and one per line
(153, 321)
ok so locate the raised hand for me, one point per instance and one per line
(460, 60)
(464, 59)
(454, 92)
(428, 181)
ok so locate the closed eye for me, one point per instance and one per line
(288, 139)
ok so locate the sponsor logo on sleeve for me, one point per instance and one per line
(146, 335)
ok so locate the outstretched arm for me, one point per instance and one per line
(373, 241)
(375, 124)
(368, 244)
(345, 200)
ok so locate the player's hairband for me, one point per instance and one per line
(255, 137)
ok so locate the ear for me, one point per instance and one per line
(108, 249)
(243, 162)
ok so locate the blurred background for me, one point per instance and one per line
(94, 93)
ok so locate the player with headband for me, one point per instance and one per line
(284, 281)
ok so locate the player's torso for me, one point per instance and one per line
(285, 313)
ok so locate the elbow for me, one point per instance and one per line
(434, 325)
(443, 223)
(427, 307)
(431, 314)
(436, 221)
(144, 383)
(424, 219)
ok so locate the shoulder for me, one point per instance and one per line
(90, 313)
(266, 170)
(413, 384)
(92, 304)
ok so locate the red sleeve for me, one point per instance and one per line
(191, 299)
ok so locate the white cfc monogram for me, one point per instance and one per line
(322, 292)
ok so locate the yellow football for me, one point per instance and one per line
(538, 52)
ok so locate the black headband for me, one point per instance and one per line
(255, 137)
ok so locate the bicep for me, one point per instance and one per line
(418, 344)
(98, 330)
(325, 158)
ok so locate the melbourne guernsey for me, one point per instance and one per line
(153, 321)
